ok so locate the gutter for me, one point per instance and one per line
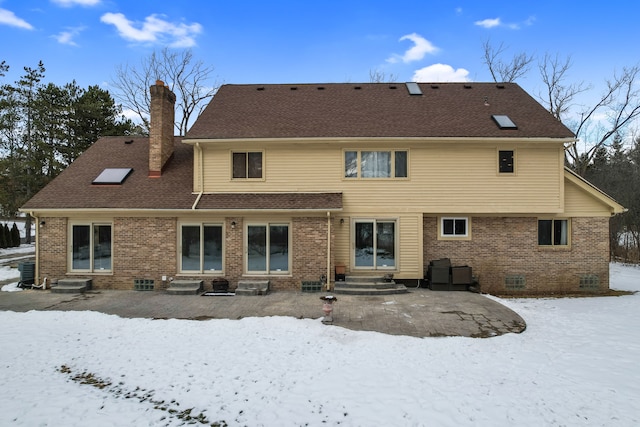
(201, 172)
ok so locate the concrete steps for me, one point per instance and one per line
(72, 286)
(368, 285)
(185, 287)
(252, 287)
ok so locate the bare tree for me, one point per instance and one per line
(505, 72)
(620, 104)
(559, 96)
(189, 79)
(377, 76)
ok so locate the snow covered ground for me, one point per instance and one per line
(577, 364)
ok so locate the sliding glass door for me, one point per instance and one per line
(375, 244)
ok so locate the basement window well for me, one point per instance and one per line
(112, 176)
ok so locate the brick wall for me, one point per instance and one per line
(502, 247)
(146, 248)
(52, 247)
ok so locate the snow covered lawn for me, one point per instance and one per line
(577, 364)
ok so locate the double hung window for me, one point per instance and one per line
(91, 247)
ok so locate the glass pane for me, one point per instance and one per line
(544, 232)
(257, 248)
(255, 165)
(375, 164)
(191, 247)
(213, 247)
(460, 227)
(506, 161)
(350, 164)
(401, 164)
(239, 165)
(279, 248)
(364, 244)
(81, 247)
(560, 232)
(447, 227)
(385, 242)
(102, 247)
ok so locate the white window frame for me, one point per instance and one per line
(467, 227)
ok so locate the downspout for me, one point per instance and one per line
(328, 251)
(201, 172)
(36, 273)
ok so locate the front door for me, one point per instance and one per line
(375, 244)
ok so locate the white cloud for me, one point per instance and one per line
(420, 48)
(154, 29)
(71, 3)
(489, 23)
(66, 37)
(441, 73)
(9, 18)
(497, 22)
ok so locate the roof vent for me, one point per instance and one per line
(434, 86)
(129, 141)
(320, 87)
(393, 87)
(467, 86)
(358, 87)
(503, 121)
(413, 88)
(293, 88)
(500, 85)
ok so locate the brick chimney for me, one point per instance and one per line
(161, 127)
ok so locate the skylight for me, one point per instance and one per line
(413, 88)
(504, 122)
(113, 176)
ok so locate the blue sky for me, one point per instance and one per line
(309, 41)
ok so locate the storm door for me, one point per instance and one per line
(375, 244)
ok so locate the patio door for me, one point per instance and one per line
(374, 244)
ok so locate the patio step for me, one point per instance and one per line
(185, 287)
(252, 287)
(72, 286)
(368, 285)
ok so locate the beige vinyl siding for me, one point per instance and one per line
(444, 177)
(409, 248)
(579, 202)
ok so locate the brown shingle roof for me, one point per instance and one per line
(275, 201)
(373, 110)
(73, 188)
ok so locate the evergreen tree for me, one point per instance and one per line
(15, 235)
(6, 236)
